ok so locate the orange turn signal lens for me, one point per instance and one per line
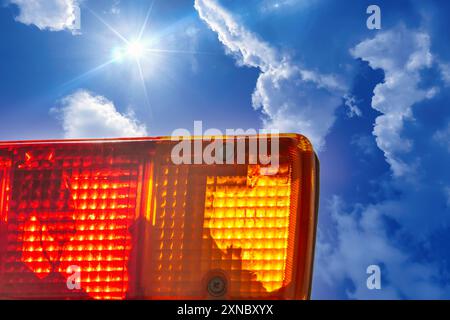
(220, 218)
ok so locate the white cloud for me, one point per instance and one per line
(85, 115)
(401, 54)
(395, 232)
(362, 240)
(291, 98)
(53, 15)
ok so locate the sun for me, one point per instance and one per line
(135, 49)
(132, 50)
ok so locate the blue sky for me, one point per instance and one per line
(375, 103)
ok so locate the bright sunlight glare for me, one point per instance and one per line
(134, 50)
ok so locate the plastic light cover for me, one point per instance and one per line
(119, 219)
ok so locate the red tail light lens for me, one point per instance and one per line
(115, 219)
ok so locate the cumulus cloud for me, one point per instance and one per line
(292, 98)
(85, 115)
(402, 54)
(410, 219)
(53, 15)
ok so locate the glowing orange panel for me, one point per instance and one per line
(251, 218)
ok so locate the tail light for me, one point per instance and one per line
(116, 219)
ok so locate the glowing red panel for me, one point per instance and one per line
(70, 209)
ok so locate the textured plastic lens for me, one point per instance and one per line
(119, 219)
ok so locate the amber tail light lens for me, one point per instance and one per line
(118, 219)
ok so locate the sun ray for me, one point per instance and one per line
(150, 9)
(154, 50)
(144, 86)
(88, 73)
(117, 33)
